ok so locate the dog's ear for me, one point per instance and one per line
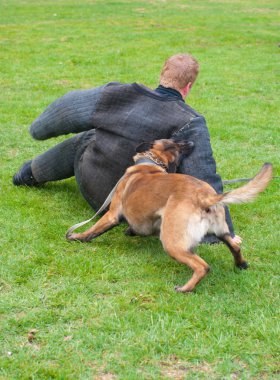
(186, 147)
(144, 146)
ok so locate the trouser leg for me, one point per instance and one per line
(58, 162)
(55, 164)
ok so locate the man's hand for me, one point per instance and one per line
(237, 239)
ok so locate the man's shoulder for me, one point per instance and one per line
(118, 88)
(117, 85)
(115, 92)
(190, 110)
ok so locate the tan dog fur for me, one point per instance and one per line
(178, 207)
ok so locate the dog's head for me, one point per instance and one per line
(167, 151)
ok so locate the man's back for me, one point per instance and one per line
(125, 116)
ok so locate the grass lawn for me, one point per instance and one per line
(107, 310)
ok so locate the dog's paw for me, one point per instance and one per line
(243, 265)
(69, 237)
(181, 289)
(129, 232)
(74, 237)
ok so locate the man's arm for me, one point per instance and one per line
(71, 113)
(201, 163)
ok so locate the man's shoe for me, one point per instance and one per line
(24, 176)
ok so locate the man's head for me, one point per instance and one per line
(179, 72)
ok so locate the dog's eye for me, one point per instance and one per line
(170, 147)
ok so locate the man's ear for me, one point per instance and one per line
(144, 146)
(186, 89)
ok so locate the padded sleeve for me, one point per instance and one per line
(201, 163)
(71, 113)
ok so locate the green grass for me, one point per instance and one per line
(107, 310)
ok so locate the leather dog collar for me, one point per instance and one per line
(149, 157)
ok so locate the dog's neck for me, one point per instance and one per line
(149, 158)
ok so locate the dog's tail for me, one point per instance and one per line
(246, 193)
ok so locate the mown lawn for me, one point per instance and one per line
(107, 310)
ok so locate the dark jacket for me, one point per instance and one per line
(123, 116)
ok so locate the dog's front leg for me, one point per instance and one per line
(108, 221)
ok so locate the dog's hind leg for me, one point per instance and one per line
(235, 250)
(197, 264)
(108, 221)
(178, 243)
(220, 228)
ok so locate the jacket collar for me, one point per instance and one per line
(168, 91)
(160, 93)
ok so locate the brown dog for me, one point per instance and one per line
(178, 207)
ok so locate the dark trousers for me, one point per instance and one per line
(60, 162)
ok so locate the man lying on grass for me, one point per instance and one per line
(110, 122)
